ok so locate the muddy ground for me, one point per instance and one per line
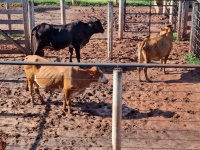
(163, 114)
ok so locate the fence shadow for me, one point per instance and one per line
(41, 125)
(104, 110)
(135, 114)
(191, 76)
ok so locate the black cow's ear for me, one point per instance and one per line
(93, 19)
(42, 29)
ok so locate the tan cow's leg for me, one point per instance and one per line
(147, 60)
(67, 101)
(40, 96)
(139, 70)
(26, 85)
(30, 86)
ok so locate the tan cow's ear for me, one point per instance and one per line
(90, 72)
(162, 29)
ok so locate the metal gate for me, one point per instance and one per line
(152, 15)
(14, 27)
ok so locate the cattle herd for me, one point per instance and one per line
(75, 35)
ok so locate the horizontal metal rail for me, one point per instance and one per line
(117, 65)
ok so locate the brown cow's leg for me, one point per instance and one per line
(161, 62)
(165, 61)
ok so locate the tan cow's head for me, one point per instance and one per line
(97, 74)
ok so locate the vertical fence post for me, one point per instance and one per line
(171, 11)
(193, 27)
(9, 17)
(26, 26)
(31, 16)
(185, 23)
(121, 18)
(115, 2)
(110, 29)
(164, 6)
(179, 20)
(62, 9)
(117, 109)
(73, 2)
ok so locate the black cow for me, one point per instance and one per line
(73, 35)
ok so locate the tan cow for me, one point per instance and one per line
(72, 80)
(156, 48)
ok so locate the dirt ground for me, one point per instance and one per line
(163, 114)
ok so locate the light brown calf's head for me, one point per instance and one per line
(166, 29)
(97, 75)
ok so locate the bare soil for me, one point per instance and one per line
(163, 114)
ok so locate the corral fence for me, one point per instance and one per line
(127, 119)
(163, 11)
(195, 30)
(179, 13)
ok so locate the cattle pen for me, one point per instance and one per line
(120, 109)
(124, 114)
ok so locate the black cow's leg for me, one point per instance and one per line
(78, 53)
(71, 53)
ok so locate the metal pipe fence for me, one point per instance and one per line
(153, 116)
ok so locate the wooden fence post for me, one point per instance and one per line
(193, 28)
(26, 26)
(31, 15)
(121, 18)
(164, 6)
(171, 11)
(185, 21)
(179, 20)
(110, 29)
(62, 8)
(73, 2)
(9, 18)
(117, 109)
(115, 2)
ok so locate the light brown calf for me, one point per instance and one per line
(72, 80)
(157, 48)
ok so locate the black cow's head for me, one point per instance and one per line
(40, 37)
(97, 26)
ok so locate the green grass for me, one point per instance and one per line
(192, 59)
(175, 36)
(13, 36)
(89, 2)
